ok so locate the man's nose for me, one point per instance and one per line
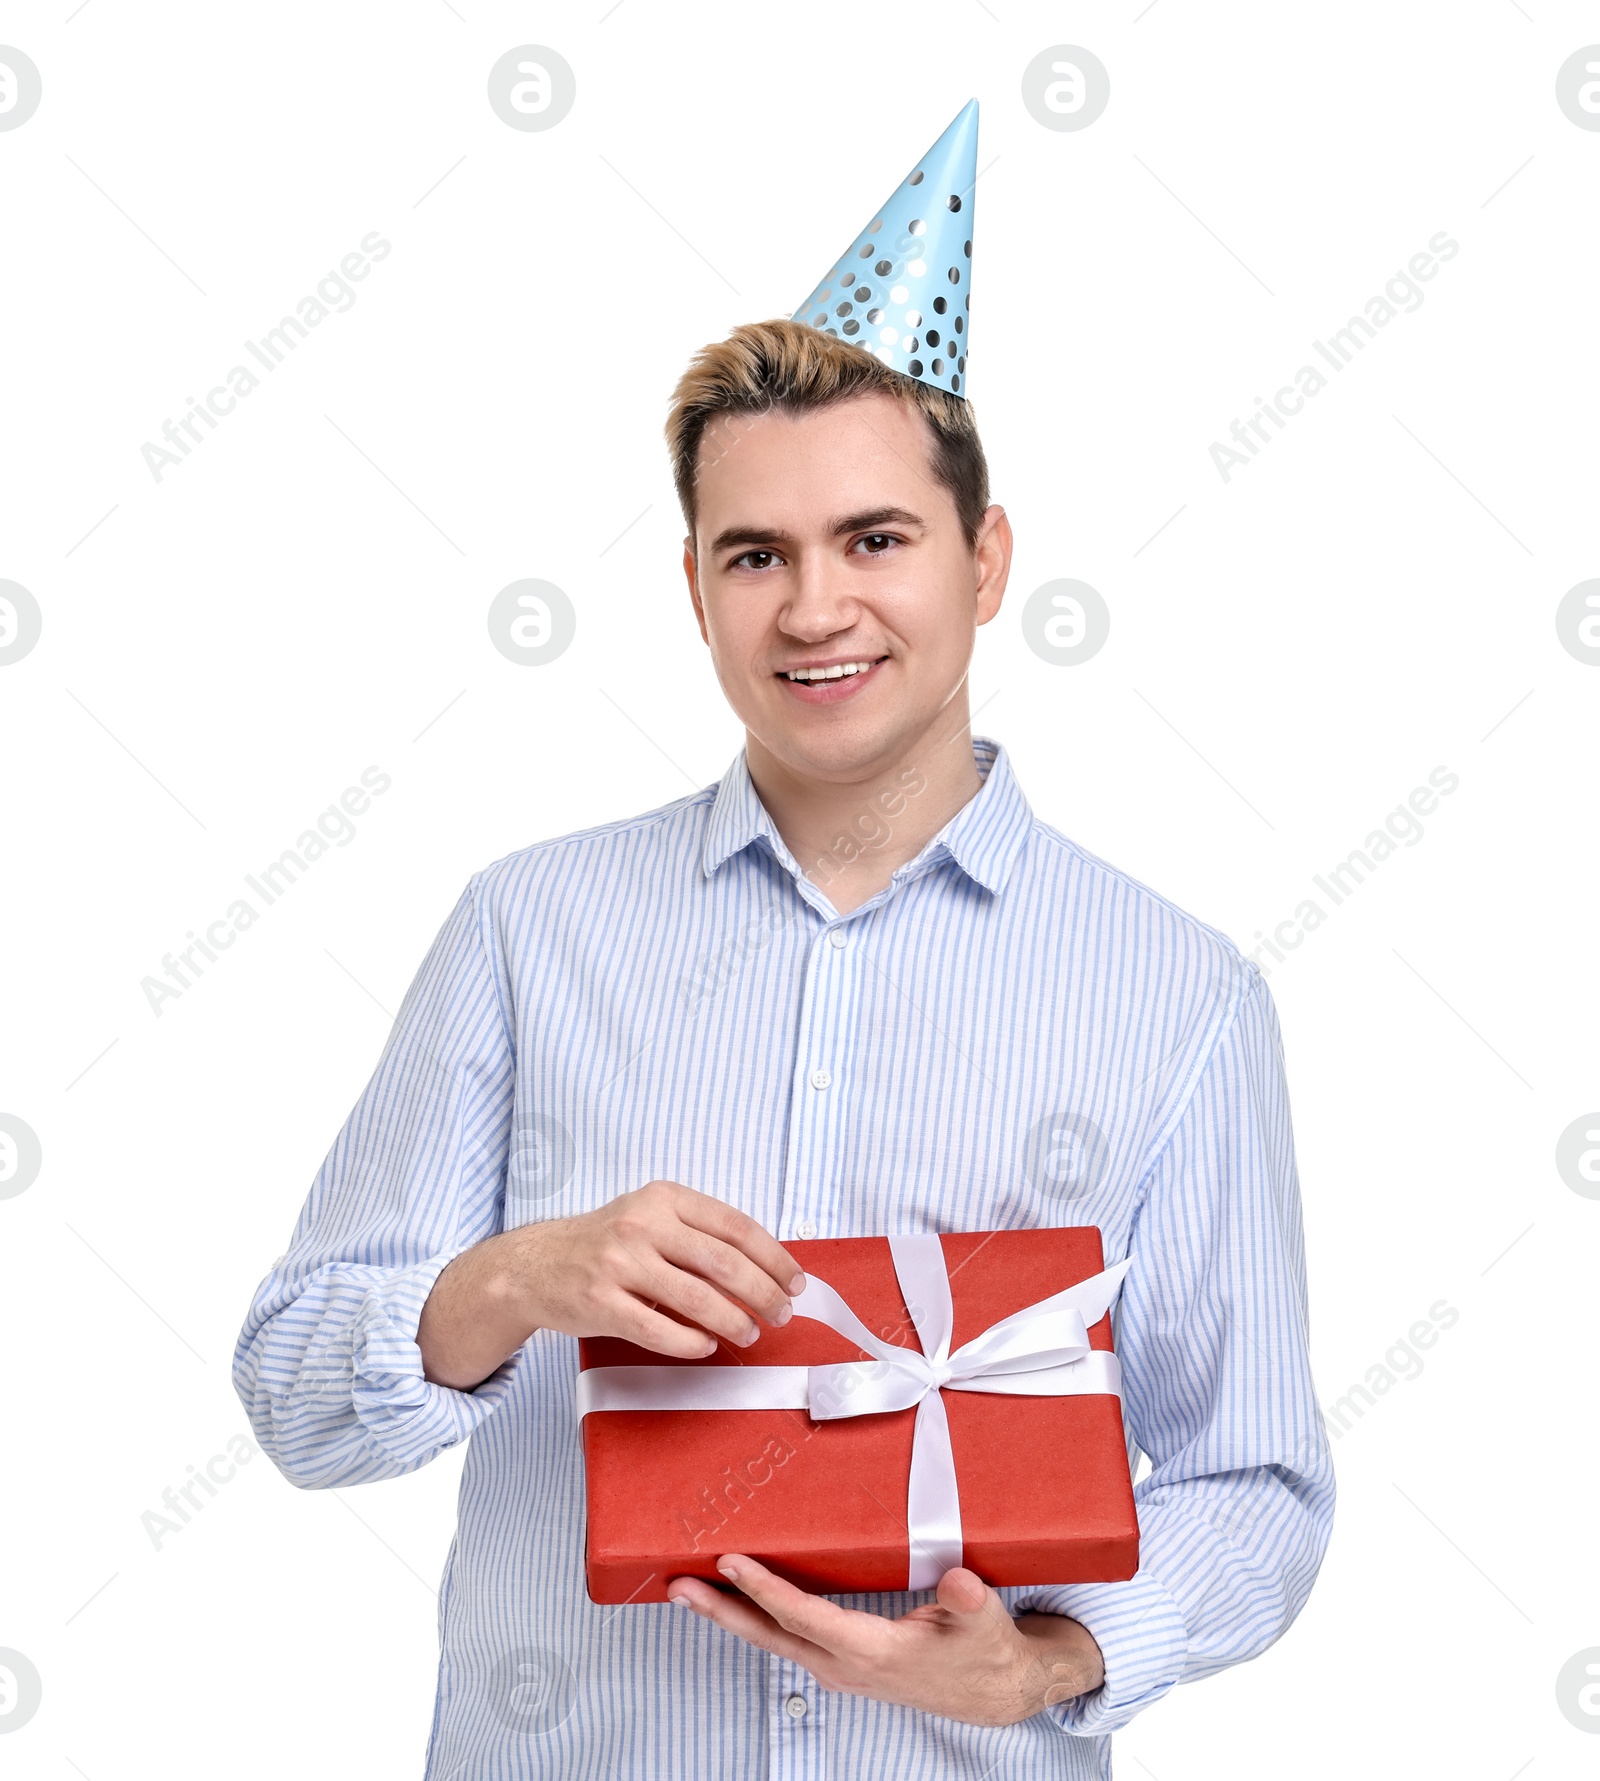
(821, 602)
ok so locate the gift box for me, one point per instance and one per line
(937, 1399)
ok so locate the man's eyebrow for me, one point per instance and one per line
(865, 521)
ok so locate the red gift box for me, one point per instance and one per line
(1045, 1493)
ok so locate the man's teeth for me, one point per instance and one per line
(837, 672)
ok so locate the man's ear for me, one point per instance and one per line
(992, 557)
(691, 575)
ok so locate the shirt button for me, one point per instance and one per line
(795, 1706)
(808, 1228)
(820, 1078)
(838, 937)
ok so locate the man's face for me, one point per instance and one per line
(825, 540)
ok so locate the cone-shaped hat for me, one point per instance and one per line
(902, 287)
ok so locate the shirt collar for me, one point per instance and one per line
(983, 838)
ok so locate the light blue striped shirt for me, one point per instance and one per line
(1011, 1034)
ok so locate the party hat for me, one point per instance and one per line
(902, 287)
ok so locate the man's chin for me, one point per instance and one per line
(836, 746)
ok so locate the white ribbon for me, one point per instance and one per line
(1040, 1351)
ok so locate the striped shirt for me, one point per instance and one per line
(1011, 1034)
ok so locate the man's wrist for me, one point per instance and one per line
(1061, 1660)
(475, 1318)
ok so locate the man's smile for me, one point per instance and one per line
(826, 683)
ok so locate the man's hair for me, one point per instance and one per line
(794, 367)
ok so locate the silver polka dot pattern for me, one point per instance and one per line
(912, 262)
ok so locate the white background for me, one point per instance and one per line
(226, 649)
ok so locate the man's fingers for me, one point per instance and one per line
(743, 1232)
(701, 1304)
(697, 1255)
(837, 1632)
(637, 1266)
(734, 1614)
(962, 1590)
(727, 1269)
(638, 1324)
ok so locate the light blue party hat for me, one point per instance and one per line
(902, 288)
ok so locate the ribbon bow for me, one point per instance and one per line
(1040, 1351)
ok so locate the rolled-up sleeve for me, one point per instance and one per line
(327, 1363)
(1236, 1511)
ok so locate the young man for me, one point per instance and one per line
(854, 987)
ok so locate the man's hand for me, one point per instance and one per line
(603, 1273)
(964, 1657)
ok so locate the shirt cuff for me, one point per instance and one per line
(1141, 1635)
(409, 1417)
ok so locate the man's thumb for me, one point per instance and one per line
(962, 1591)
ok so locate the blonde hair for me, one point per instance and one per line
(794, 367)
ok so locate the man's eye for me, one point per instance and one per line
(745, 559)
(878, 538)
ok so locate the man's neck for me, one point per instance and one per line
(849, 838)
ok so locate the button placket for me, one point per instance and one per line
(818, 1101)
(797, 1743)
